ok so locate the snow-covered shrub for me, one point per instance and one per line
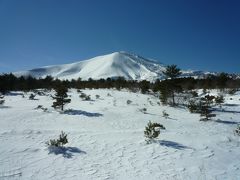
(165, 114)
(193, 107)
(82, 95)
(152, 131)
(39, 92)
(97, 96)
(41, 107)
(1, 100)
(85, 97)
(205, 110)
(143, 110)
(194, 94)
(61, 141)
(219, 100)
(205, 91)
(32, 96)
(237, 130)
(108, 94)
(88, 98)
(232, 91)
(129, 102)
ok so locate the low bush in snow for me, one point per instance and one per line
(232, 91)
(206, 110)
(32, 96)
(193, 107)
(143, 110)
(129, 102)
(85, 97)
(165, 114)
(41, 107)
(97, 96)
(237, 130)
(61, 141)
(194, 94)
(219, 100)
(152, 131)
(1, 99)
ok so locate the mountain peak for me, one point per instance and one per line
(116, 64)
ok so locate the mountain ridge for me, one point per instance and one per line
(116, 64)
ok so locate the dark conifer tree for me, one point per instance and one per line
(205, 110)
(222, 80)
(172, 72)
(61, 97)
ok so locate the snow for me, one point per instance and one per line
(117, 64)
(106, 139)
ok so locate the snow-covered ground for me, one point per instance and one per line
(106, 139)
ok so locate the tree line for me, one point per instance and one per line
(170, 86)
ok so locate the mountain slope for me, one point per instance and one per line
(118, 64)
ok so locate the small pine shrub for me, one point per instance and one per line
(61, 97)
(60, 142)
(152, 131)
(97, 96)
(165, 114)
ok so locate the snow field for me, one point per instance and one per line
(106, 139)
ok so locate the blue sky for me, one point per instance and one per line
(194, 34)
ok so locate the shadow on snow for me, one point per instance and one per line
(66, 152)
(226, 122)
(4, 107)
(80, 112)
(225, 111)
(172, 144)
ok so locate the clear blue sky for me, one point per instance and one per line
(194, 34)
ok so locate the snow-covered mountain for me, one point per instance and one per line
(117, 64)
